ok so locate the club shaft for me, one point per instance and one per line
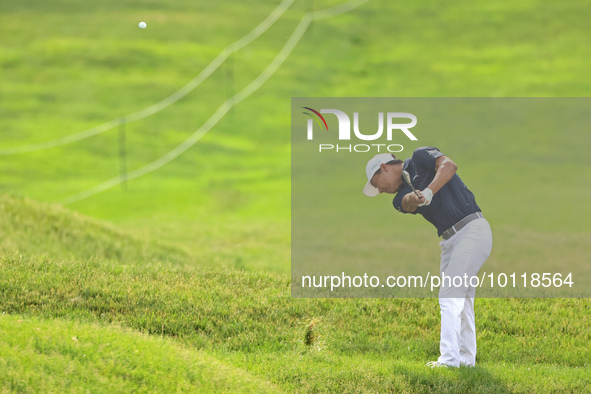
(406, 177)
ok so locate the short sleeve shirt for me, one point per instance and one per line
(449, 205)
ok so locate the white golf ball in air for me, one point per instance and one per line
(142, 25)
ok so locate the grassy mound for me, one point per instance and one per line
(65, 356)
(249, 320)
(31, 228)
(346, 345)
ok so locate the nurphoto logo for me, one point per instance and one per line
(344, 130)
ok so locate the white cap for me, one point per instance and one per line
(372, 167)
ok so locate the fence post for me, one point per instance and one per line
(122, 154)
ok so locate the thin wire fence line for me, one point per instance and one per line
(224, 108)
(176, 96)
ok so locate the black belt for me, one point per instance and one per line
(447, 234)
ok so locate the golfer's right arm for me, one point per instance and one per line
(410, 202)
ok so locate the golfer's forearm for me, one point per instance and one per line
(445, 172)
(408, 204)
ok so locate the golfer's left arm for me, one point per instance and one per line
(445, 170)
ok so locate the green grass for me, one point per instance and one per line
(67, 356)
(249, 320)
(32, 228)
(199, 251)
(242, 167)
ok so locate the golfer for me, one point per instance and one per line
(443, 199)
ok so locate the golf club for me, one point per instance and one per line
(406, 177)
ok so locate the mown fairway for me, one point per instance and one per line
(198, 251)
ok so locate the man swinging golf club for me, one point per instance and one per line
(434, 190)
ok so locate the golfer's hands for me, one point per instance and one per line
(410, 202)
(427, 197)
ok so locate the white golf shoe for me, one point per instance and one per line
(437, 364)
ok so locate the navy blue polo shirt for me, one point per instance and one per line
(449, 205)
